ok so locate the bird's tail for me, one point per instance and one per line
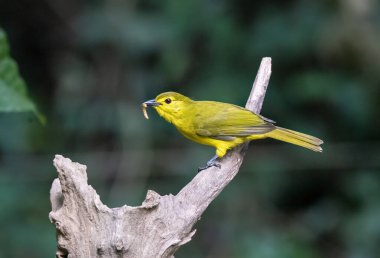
(300, 139)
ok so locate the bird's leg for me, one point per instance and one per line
(211, 163)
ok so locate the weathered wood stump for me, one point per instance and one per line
(88, 228)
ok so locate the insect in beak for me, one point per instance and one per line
(149, 103)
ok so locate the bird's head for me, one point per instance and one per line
(169, 105)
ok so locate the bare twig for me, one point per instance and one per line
(157, 228)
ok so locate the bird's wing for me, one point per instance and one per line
(226, 122)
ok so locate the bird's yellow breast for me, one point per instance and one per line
(187, 129)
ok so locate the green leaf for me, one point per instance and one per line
(13, 90)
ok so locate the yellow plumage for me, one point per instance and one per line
(223, 125)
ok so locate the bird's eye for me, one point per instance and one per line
(168, 101)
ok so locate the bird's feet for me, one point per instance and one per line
(211, 163)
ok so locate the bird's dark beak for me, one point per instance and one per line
(151, 103)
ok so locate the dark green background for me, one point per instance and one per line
(89, 65)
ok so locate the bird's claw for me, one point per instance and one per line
(213, 164)
(209, 164)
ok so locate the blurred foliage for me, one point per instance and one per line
(13, 92)
(89, 65)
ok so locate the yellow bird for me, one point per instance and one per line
(222, 125)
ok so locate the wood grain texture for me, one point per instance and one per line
(88, 228)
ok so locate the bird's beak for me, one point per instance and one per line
(149, 103)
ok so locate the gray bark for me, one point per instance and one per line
(88, 228)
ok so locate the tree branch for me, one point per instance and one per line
(88, 228)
